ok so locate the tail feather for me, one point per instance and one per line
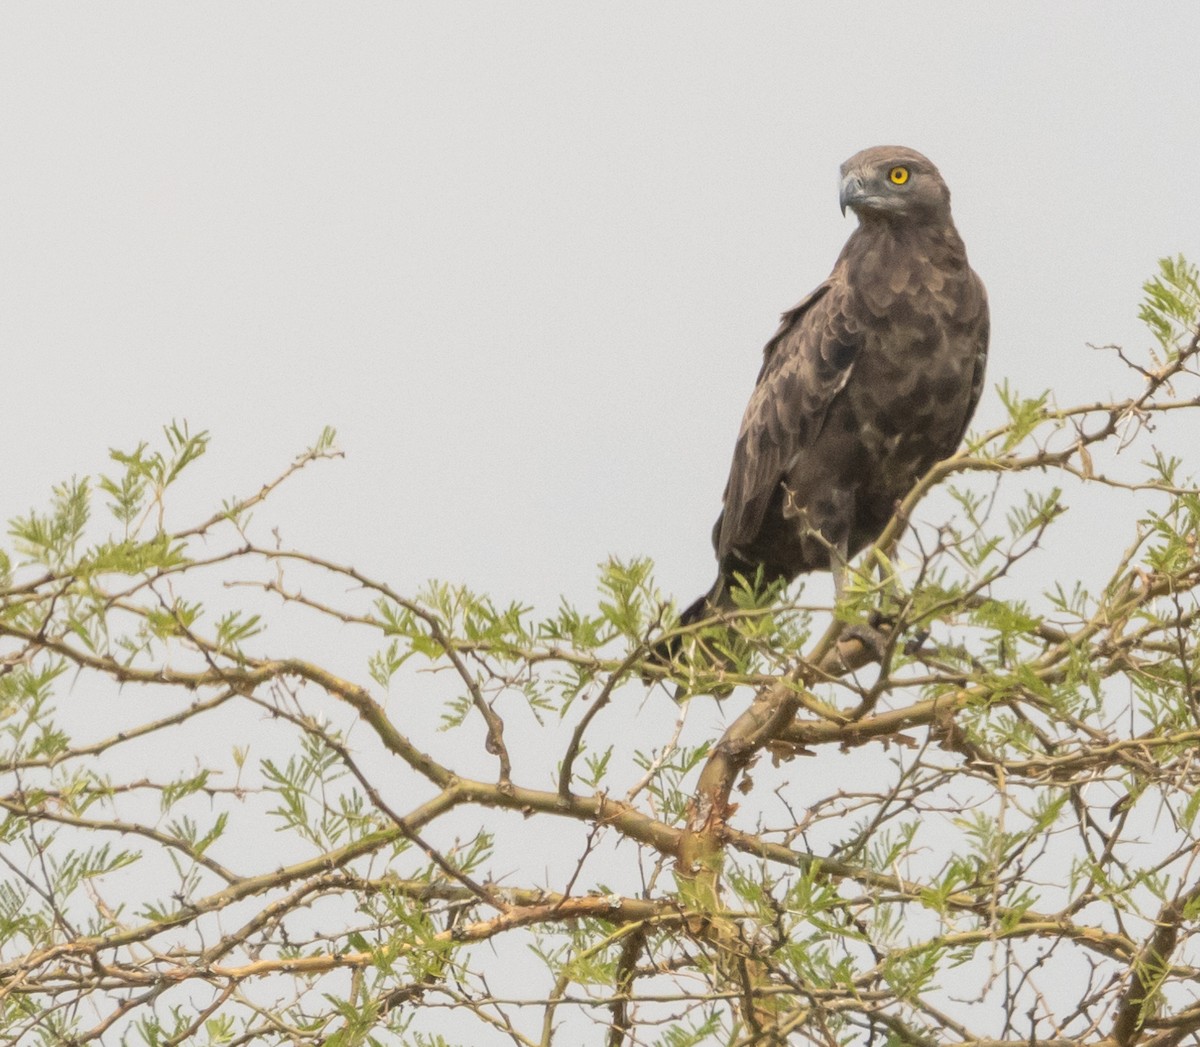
(699, 609)
(711, 603)
(721, 646)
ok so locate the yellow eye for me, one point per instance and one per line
(898, 175)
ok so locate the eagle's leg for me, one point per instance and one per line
(829, 532)
(875, 641)
(868, 634)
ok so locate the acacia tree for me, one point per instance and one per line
(450, 820)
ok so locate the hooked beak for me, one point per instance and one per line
(852, 190)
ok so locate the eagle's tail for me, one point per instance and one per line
(712, 603)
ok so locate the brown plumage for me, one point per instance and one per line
(868, 382)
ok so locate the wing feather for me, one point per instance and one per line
(805, 365)
(982, 334)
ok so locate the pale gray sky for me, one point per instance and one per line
(524, 257)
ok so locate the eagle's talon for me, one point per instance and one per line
(874, 640)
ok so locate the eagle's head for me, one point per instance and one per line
(894, 183)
